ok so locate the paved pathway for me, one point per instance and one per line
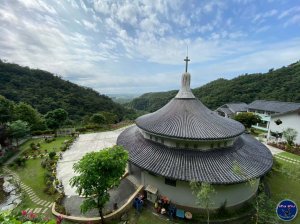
(41, 205)
(273, 150)
(84, 143)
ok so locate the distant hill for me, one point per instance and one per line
(282, 84)
(45, 92)
(122, 98)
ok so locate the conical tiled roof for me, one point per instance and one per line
(187, 118)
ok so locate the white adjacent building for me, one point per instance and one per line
(265, 109)
(280, 122)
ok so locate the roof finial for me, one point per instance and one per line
(187, 58)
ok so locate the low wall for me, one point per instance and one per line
(114, 215)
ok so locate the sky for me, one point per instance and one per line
(138, 46)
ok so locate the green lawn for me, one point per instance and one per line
(284, 187)
(33, 173)
(290, 155)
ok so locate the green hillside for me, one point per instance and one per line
(45, 92)
(281, 84)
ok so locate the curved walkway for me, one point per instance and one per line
(41, 205)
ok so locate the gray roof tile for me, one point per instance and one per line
(273, 106)
(215, 166)
(189, 119)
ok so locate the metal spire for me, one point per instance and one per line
(187, 58)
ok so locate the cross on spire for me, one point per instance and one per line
(186, 63)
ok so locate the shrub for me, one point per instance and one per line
(52, 155)
(64, 148)
(59, 199)
(81, 129)
(48, 183)
(61, 209)
(46, 132)
(49, 140)
(44, 163)
(51, 190)
(47, 176)
(20, 161)
(32, 146)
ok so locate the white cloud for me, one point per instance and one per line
(38, 5)
(90, 26)
(102, 6)
(7, 16)
(293, 20)
(151, 34)
(289, 12)
(260, 17)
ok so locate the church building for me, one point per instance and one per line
(185, 141)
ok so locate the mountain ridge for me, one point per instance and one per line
(46, 91)
(282, 84)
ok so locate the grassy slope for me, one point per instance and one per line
(290, 155)
(33, 173)
(283, 187)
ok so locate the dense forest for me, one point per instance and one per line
(45, 92)
(282, 84)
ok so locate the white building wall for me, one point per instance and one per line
(234, 194)
(289, 120)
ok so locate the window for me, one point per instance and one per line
(177, 145)
(151, 137)
(170, 182)
(195, 146)
(225, 144)
(186, 145)
(156, 139)
(162, 141)
(211, 145)
(219, 144)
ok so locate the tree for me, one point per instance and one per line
(56, 118)
(25, 112)
(247, 119)
(18, 129)
(6, 110)
(203, 192)
(98, 172)
(290, 135)
(98, 119)
(264, 208)
(110, 118)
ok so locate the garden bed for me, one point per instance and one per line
(295, 149)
